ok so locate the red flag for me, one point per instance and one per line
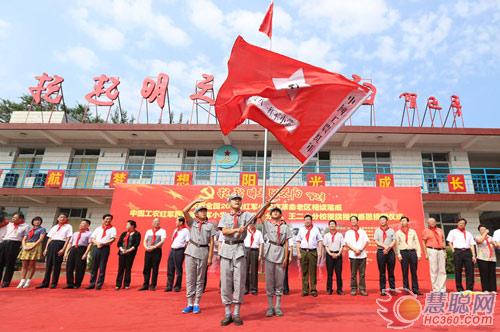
(267, 23)
(300, 104)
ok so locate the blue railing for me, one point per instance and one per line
(98, 176)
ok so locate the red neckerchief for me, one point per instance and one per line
(105, 229)
(405, 232)
(333, 233)
(32, 232)
(436, 236)
(126, 238)
(489, 247)
(356, 233)
(252, 233)
(80, 235)
(278, 230)
(200, 223)
(153, 239)
(384, 236)
(60, 225)
(235, 216)
(177, 229)
(308, 231)
(16, 226)
(464, 232)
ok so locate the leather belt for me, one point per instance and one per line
(308, 250)
(276, 243)
(198, 245)
(435, 248)
(233, 241)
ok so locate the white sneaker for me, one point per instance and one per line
(27, 283)
(21, 283)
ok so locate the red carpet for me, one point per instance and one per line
(130, 310)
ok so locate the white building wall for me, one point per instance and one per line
(7, 156)
(110, 159)
(348, 165)
(407, 167)
(167, 162)
(459, 162)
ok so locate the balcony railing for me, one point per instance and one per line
(98, 176)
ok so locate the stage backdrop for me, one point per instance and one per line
(144, 202)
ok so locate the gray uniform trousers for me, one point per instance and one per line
(233, 278)
(275, 275)
(196, 272)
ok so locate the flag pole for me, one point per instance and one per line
(266, 135)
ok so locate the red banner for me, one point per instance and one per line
(384, 180)
(144, 202)
(249, 178)
(456, 183)
(54, 179)
(118, 177)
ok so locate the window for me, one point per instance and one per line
(436, 166)
(199, 162)
(253, 161)
(320, 163)
(75, 215)
(140, 164)
(29, 161)
(447, 221)
(82, 162)
(375, 163)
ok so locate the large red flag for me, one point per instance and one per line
(267, 23)
(300, 104)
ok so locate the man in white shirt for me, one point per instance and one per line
(102, 238)
(59, 236)
(11, 245)
(496, 238)
(464, 255)
(180, 239)
(3, 225)
(153, 241)
(334, 243)
(254, 244)
(356, 240)
(309, 251)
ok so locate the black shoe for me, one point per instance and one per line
(90, 287)
(69, 287)
(305, 293)
(53, 286)
(329, 292)
(253, 293)
(5, 286)
(246, 293)
(226, 321)
(40, 286)
(143, 288)
(98, 288)
(177, 290)
(286, 292)
(152, 288)
(168, 289)
(237, 321)
(340, 292)
(314, 293)
(418, 293)
(383, 293)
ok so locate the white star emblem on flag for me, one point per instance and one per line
(292, 83)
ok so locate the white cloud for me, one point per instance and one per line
(388, 51)
(350, 18)
(4, 29)
(80, 56)
(126, 17)
(426, 33)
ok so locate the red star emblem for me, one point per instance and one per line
(227, 153)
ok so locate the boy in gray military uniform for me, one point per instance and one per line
(199, 253)
(276, 235)
(232, 263)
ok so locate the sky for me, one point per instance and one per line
(432, 48)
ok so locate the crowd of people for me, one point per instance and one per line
(241, 246)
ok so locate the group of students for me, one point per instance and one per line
(240, 247)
